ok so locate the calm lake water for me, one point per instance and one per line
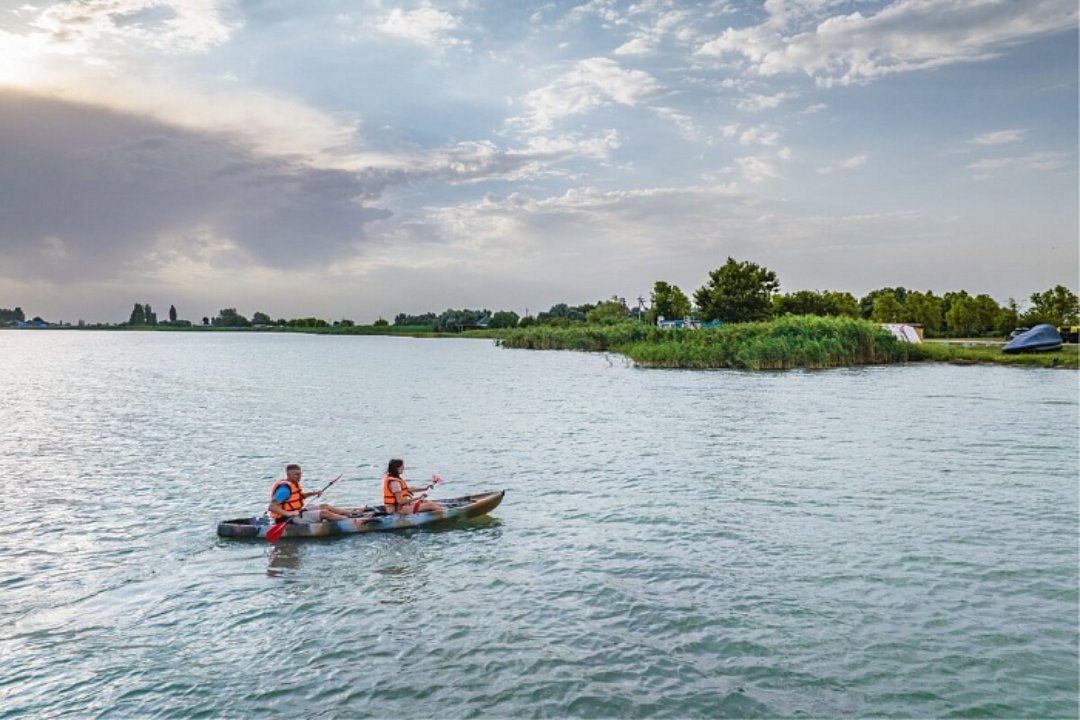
(893, 541)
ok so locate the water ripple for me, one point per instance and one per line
(868, 542)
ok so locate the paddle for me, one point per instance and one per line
(274, 533)
(435, 480)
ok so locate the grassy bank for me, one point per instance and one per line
(790, 342)
(1067, 357)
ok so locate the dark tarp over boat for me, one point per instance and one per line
(1041, 338)
(375, 520)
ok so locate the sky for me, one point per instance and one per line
(358, 159)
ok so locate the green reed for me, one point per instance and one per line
(789, 342)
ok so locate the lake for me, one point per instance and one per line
(885, 541)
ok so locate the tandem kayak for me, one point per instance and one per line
(375, 520)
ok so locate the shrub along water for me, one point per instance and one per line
(789, 342)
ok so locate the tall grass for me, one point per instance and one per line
(961, 354)
(790, 342)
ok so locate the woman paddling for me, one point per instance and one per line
(397, 496)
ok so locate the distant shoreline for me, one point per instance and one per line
(954, 351)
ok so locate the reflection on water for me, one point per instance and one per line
(283, 556)
(399, 583)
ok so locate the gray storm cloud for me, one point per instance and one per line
(88, 192)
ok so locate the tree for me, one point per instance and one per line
(138, 315)
(261, 318)
(925, 309)
(609, 312)
(971, 316)
(458, 320)
(9, 316)
(886, 309)
(1057, 306)
(668, 302)
(866, 303)
(151, 316)
(1009, 317)
(172, 313)
(504, 319)
(308, 322)
(380, 323)
(425, 319)
(812, 302)
(228, 317)
(737, 292)
(205, 320)
(563, 314)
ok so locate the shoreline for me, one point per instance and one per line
(951, 351)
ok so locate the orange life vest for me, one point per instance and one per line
(387, 496)
(295, 501)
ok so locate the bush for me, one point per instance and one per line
(791, 341)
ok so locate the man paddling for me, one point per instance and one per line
(287, 500)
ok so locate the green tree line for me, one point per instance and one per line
(743, 291)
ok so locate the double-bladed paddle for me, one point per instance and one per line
(274, 533)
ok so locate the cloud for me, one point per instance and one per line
(999, 137)
(591, 84)
(560, 240)
(425, 26)
(758, 168)
(637, 46)
(1033, 162)
(904, 36)
(90, 193)
(757, 102)
(849, 164)
(759, 136)
(182, 26)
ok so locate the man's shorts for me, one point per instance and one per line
(310, 515)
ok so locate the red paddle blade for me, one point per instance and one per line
(274, 533)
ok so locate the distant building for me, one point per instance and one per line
(686, 324)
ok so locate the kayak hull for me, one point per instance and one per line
(378, 520)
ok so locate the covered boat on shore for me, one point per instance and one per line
(1041, 338)
(374, 520)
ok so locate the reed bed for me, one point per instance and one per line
(789, 342)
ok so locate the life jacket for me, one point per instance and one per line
(295, 501)
(387, 496)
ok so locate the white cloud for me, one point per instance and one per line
(850, 164)
(759, 136)
(592, 83)
(1033, 162)
(637, 46)
(166, 25)
(905, 35)
(757, 102)
(756, 168)
(999, 137)
(687, 127)
(425, 26)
